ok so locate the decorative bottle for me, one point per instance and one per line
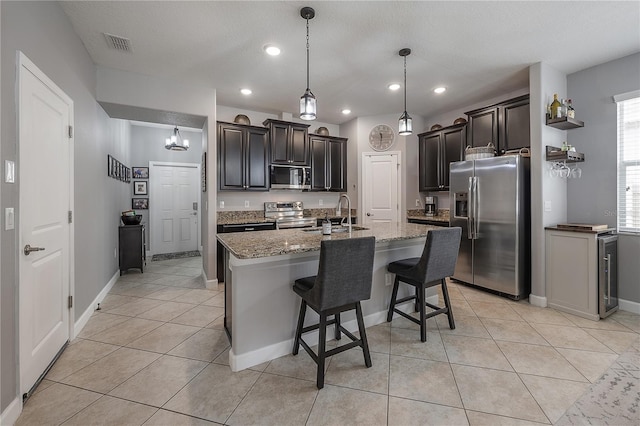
(571, 113)
(556, 107)
(326, 225)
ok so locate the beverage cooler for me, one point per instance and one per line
(607, 274)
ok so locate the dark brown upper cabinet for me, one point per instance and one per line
(505, 125)
(243, 157)
(437, 149)
(328, 163)
(289, 143)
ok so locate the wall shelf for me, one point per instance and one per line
(556, 154)
(564, 123)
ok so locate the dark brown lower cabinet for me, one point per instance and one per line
(132, 247)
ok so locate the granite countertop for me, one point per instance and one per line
(241, 217)
(442, 216)
(250, 245)
(582, 231)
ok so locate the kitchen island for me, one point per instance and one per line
(260, 268)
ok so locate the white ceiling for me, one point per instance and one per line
(478, 50)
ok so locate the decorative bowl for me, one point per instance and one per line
(436, 127)
(322, 131)
(242, 119)
(459, 121)
(131, 220)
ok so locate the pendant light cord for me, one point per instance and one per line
(405, 84)
(307, 53)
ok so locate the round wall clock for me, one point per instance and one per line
(381, 137)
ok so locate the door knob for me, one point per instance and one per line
(369, 214)
(28, 249)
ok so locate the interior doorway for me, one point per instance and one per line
(45, 233)
(174, 207)
(380, 187)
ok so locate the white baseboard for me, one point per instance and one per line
(276, 350)
(629, 306)
(86, 315)
(209, 284)
(10, 415)
(538, 301)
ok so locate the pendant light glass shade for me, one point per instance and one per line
(175, 142)
(404, 123)
(308, 100)
(308, 106)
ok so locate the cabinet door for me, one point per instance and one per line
(318, 164)
(279, 143)
(337, 165)
(428, 162)
(231, 160)
(483, 127)
(299, 146)
(515, 132)
(453, 141)
(257, 160)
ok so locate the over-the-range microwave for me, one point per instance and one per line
(290, 177)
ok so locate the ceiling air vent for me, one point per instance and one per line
(118, 43)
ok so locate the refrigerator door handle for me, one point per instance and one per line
(470, 209)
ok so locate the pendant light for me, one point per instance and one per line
(404, 123)
(308, 100)
(175, 142)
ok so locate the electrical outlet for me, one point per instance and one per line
(320, 202)
(9, 219)
(246, 203)
(222, 204)
(547, 206)
(417, 202)
(388, 278)
(115, 253)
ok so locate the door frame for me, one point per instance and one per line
(25, 64)
(197, 166)
(398, 155)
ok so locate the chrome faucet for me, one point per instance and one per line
(339, 210)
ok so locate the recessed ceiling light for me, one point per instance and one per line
(439, 90)
(346, 111)
(394, 86)
(272, 50)
(246, 91)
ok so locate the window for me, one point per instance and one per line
(628, 161)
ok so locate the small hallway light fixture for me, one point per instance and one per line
(175, 142)
(404, 123)
(308, 100)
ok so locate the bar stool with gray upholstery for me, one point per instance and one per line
(344, 279)
(438, 261)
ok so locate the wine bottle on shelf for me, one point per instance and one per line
(563, 109)
(555, 107)
(571, 112)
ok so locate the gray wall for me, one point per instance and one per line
(592, 198)
(147, 144)
(43, 33)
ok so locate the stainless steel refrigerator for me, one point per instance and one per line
(490, 201)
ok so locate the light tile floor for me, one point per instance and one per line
(156, 354)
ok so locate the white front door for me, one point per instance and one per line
(45, 178)
(380, 180)
(174, 204)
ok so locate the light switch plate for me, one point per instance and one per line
(547, 206)
(9, 171)
(9, 219)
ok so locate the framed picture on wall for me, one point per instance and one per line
(139, 187)
(140, 203)
(140, 172)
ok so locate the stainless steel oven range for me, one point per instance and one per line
(288, 214)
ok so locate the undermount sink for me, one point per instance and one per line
(335, 230)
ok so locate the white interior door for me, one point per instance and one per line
(174, 204)
(380, 180)
(45, 177)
